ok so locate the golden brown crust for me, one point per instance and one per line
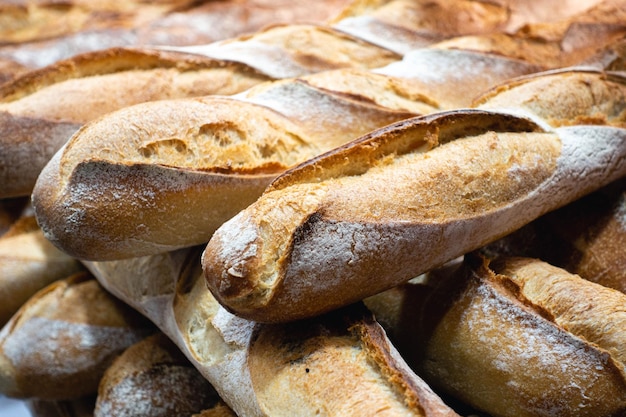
(506, 357)
(261, 370)
(563, 97)
(112, 61)
(202, 149)
(152, 377)
(28, 263)
(304, 354)
(585, 309)
(272, 127)
(60, 342)
(259, 264)
(42, 109)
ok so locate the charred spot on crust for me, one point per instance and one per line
(306, 228)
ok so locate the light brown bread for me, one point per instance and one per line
(153, 378)
(517, 338)
(434, 21)
(563, 97)
(200, 23)
(326, 233)
(36, 124)
(60, 342)
(42, 109)
(28, 263)
(341, 363)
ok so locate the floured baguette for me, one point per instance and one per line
(292, 50)
(42, 109)
(28, 263)
(415, 195)
(153, 378)
(202, 160)
(563, 97)
(35, 123)
(338, 364)
(60, 342)
(517, 337)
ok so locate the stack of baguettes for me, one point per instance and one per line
(291, 213)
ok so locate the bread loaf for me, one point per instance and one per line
(327, 234)
(28, 263)
(36, 123)
(60, 342)
(519, 338)
(153, 378)
(339, 364)
(205, 159)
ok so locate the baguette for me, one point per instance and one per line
(36, 123)
(60, 342)
(106, 203)
(153, 378)
(28, 263)
(326, 234)
(341, 363)
(517, 337)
